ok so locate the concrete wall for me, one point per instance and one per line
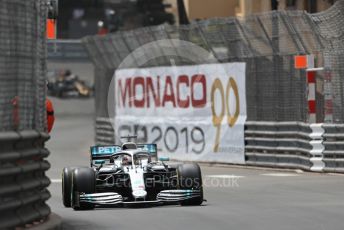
(203, 9)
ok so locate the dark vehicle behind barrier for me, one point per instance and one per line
(65, 84)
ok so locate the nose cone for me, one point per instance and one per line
(139, 193)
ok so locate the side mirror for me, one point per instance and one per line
(164, 158)
(99, 162)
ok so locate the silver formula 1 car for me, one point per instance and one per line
(130, 174)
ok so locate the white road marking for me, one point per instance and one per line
(224, 176)
(335, 174)
(56, 180)
(279, 174)
(300, 171)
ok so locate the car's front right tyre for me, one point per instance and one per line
(190, 177)
(67, 186)
(83, 181)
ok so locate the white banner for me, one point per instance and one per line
(191, 112)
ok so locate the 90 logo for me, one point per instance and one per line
(225, 100)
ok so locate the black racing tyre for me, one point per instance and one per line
(83, 181)
(174, 165)
(190, 177)
(67, 186)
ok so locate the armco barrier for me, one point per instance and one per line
(66, 49)
(334, 147)
(23, 187)
(104, 131)
(298, 145)
(284, 145)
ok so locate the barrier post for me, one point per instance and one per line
(312, 113)
(328, 96)
(311, 82)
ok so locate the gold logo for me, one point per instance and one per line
(217, 119)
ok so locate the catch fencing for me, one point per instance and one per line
(267, 43)
(23, 187)
(329, 27)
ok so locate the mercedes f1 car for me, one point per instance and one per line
(130, 174)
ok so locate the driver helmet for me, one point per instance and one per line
(126, 160)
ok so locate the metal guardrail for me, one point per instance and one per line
(23, 187)
(314, 147)
(298, 145)
(66, 49)
(283, 144)
(334, 147)
(104, 131)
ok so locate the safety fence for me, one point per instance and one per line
(329, 27)
(298, 145)
(278, 144)
(66, 50)
(284, 144)
(23, 188)
(276, 92)
(333, 147)
(104, 131)
(23, 66)
(312, 147)
(23, 184)
(270, 40)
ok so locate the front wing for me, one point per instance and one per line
(164, 197)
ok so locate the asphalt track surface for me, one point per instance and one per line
(237, 198)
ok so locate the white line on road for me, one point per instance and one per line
(279, 174)
(224, 176)
(56, 180)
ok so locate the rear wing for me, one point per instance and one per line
(152, 149)
(104, 152)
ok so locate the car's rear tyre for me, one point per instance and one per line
(190, 177)
(83, 181)
(67, 186)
